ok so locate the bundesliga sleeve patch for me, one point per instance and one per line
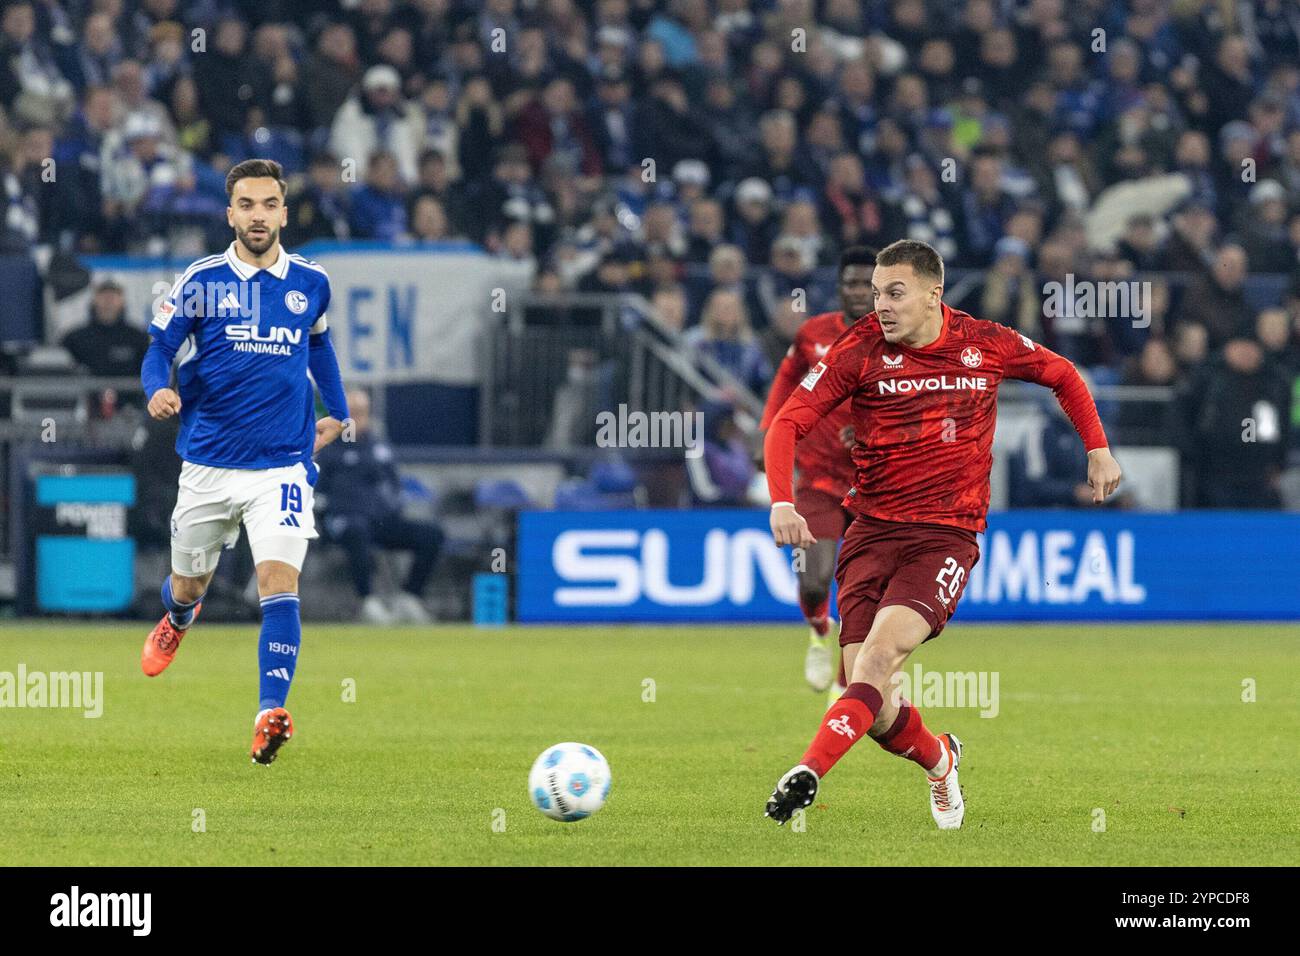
(164, 316)
(814, 373)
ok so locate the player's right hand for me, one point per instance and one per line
(164, 404)
(788, 527)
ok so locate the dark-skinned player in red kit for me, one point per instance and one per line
(823, 466)
(922, 383)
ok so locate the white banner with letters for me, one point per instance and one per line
(396, 315)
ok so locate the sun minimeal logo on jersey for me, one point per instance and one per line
(813, 375)
(276, 340)
(971, 357)
(295, 302)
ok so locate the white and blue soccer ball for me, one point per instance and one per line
(569, 782)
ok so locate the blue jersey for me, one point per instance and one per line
(245, 338)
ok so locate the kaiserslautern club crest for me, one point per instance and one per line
(971, 357)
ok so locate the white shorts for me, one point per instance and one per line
(275, 505)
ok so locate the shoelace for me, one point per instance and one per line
(939, 792)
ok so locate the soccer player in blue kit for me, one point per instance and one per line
(248, 325)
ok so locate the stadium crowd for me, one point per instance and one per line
(717, 155)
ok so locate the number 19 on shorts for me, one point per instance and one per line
(290, 502)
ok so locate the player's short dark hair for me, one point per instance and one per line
(857, 256)
(924, 259)
(255, 169)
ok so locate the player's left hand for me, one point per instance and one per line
(1103, 474)
(327, 429)
(847, 438)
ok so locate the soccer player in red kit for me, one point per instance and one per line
(922, 382)
(823, 465)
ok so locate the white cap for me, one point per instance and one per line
(753, 190)
(381, 77)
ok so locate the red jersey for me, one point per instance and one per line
(822, 461)
(923, 417)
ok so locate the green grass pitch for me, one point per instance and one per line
(428, 765)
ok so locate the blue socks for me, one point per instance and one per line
(277, 648)
(182, 615)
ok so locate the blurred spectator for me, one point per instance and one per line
(107, 344)
(850, 213)
(1191, 246)
(922, 212)
(1140, 244)
(985, 209)
(754, 226)
(319, 208)
(722, 475)
(664, 128)
(1281, 350)
(670, 304)
(1009, 295)
(32, 89)
(229, 80)
(429, 222)
(552, 125)
(1241, 430)
(725, 335)
(508, 195)
(1047, 473)
(378, 118)
(377, 208)
(330, 73)
(706, 230)
(1151, 422)
(778, 337)
(1218, 300)
(779, 164)
(611, 118)
(1263, 232)
(360, 494)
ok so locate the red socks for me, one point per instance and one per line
(908, 738)
(847, 721)
(817, 614)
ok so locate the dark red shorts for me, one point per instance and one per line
(921, 566)
(826, 517)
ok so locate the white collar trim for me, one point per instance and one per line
(279, 268)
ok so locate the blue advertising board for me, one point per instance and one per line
(721, 565)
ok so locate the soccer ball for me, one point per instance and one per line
(569, 781)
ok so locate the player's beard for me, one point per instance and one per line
(256, 245)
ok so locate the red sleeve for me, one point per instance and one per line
(792, 368)
(827, 384)
(1027, 360)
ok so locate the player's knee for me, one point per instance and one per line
(276, 577)
(813, 596)
(879, 659)
(187, 590)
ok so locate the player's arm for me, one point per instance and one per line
(825, 385)
(324, 367)
(788, 373)
(1027, 360)
(171, 325)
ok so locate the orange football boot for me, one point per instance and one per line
(161, 644)
(273, 729)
